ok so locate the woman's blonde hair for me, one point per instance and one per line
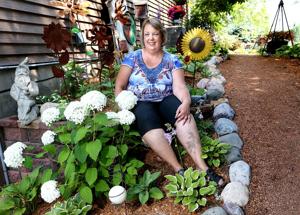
(155, 23)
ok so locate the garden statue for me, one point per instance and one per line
(24, 91)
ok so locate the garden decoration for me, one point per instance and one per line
(24, 91)
(196, 44)
(278, 39)
(176, 12)
(117, 195)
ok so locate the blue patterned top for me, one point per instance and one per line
(151, 84)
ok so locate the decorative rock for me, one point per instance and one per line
(233, 209)
(223, 111)
(215, 211)
(214, 92)
(232, 139)
(215, 103)
(233, 155)
(240, 172)
(198, 100)
(221, 79)
(47, 105)
(236, 192)
(225, 126)
(24, 91)
(202, 83)
(214, 71)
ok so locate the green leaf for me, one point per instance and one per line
(178, 199)
(69, 170)
(101, 119)
(195, 174)
(50, 149)
(132, 171)
(204, 191)
(80, 134)
(91, 175)
(189, 191)
(171, 188)
(152, 178)
(136, 163)
(123, 149)
(192, 207)
(40, 155)
(19, 211)
(130, 180)
(156, 193)
(188, 172)
(24, 185)
(117, 178)
(102, 186)
(216, 162)
(63, 155)
(110, 152)
(86, 194)
(82, 168)
(171, 178)
(6, 204)
(204, 156)
(28, 162)
(64, 138)
(93, 148)
(202, 181)
(46, 175)
(186, 200)
(143, 197)
(202, 201)
(80, 153)
(34, 174)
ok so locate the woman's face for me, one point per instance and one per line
(152, 38)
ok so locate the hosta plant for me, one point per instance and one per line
(145, 188)
(213, 151)
(71, 206)
(191, 189)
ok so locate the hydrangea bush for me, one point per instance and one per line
(95, 143)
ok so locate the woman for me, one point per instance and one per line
(157, 79)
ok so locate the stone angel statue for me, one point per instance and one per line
(24, 92)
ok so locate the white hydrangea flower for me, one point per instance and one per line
(50, 115)
(48, 137)
(112, 115)
(94, 100)
(126, 117)
(49, 191)
(13, 155)
(126, 100)
(76, 112)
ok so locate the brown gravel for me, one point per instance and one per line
(265, 93)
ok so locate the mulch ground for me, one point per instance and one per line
(265, 93)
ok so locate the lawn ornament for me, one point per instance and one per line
(117, 195)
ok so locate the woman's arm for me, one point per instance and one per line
(122, 79)
(180, 90)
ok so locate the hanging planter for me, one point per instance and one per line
(176, 12)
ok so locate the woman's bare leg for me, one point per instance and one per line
(158, 143)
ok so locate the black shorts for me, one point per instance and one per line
(152, 115)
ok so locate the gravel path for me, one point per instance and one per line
(265, 93)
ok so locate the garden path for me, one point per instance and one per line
(265, 93)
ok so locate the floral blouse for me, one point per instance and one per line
(151, 84)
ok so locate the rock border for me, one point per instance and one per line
(235, 194)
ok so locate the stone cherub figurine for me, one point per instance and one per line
(24, 91)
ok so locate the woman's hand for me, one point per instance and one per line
(183, 113)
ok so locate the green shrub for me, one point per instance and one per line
(144, 189)
(191, 189)
(72, 206)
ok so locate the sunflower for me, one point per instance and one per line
(196, 43)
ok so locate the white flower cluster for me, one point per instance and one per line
(126, 100)
(94, 100)
(112, 115)
(76, 112)
(50, 115)
(49, 191)
(126, 117)
(48, 137)
(13, 155)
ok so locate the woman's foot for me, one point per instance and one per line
(212, 176)
(181, 172)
